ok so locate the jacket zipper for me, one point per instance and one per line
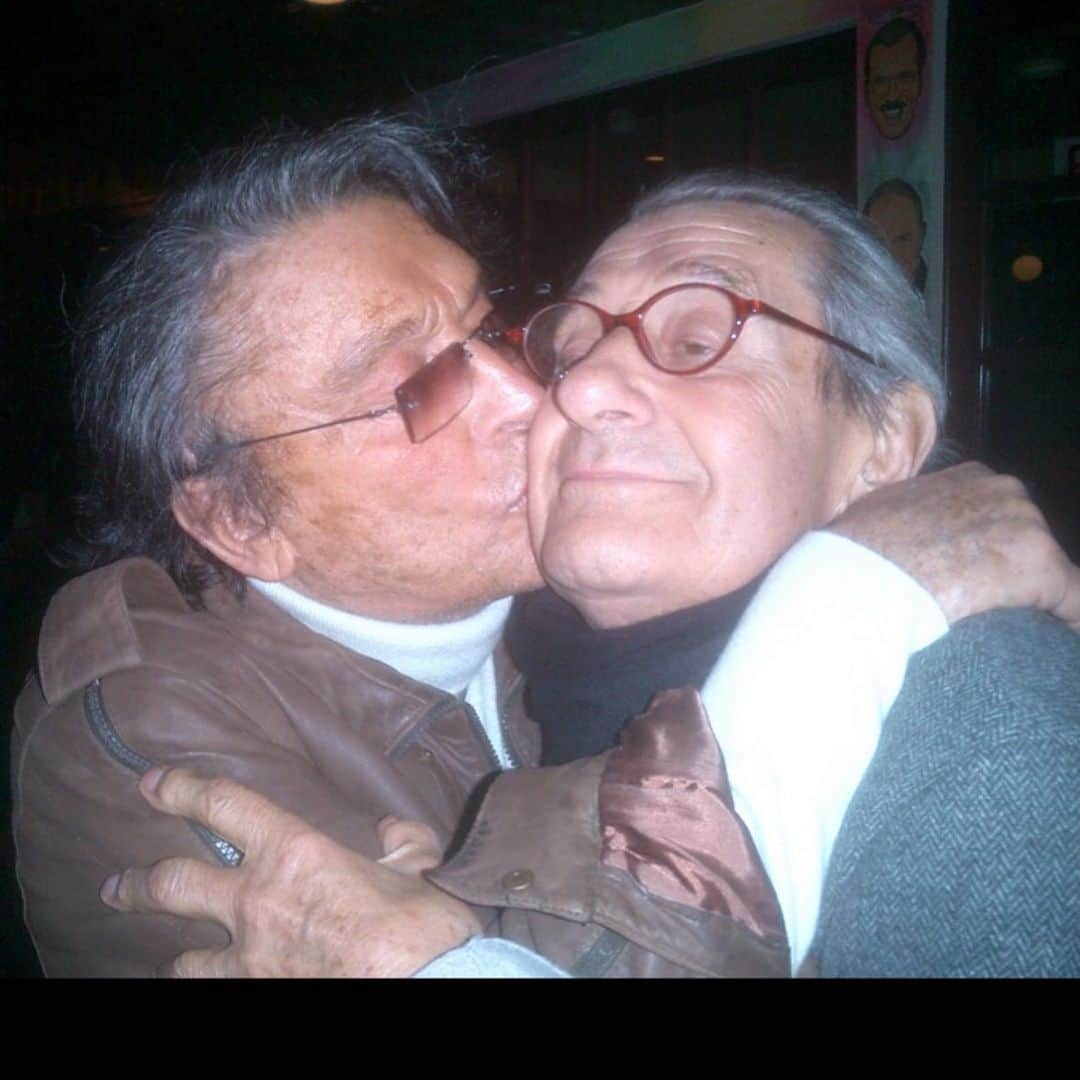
(101, 726)
(486, 739)
(504, 726)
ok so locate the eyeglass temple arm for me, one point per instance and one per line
(372, 415)
(228, 447)
(760, 307)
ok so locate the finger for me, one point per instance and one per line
(233, 811)
(410, 846)
(187, 887)
(394, 832)
(1068, 607)
(202, 964)
(411, 859)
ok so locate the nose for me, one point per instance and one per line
(608, 387)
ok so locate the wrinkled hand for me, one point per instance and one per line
(299, 904)
(972, 538)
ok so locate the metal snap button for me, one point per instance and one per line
(517, 880)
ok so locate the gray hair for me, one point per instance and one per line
(152, 345)
(865, 298)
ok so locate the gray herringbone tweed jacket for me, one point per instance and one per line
(960, 853)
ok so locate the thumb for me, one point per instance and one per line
(409, 847)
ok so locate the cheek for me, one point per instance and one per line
(740, 420)
(763, 448)
(544, 435)
(350, 485)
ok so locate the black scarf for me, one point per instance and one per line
(584, 684)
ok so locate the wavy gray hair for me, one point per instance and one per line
(150, 348)
(865, 298)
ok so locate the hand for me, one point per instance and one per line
(300, 904)
(970, 537)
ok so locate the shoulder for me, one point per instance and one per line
(960, 852)
(95, 625)
(131, 616)
(1022, 638)
(1000, 675)
(999, 694)
(161, 670)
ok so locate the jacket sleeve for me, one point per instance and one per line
(960, 854)
(489, 958)
(639, 847)
(79, 816)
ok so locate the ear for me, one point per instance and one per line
(252, 547)
(897, 450)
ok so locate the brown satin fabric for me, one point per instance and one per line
(668, 818)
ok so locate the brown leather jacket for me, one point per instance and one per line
(129, 675)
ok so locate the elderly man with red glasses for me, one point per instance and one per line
(702, 424)
(308, 426)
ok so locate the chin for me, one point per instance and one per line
(592, 574)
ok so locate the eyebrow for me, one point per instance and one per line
(365, 349)
(694, 270)
(684, 271)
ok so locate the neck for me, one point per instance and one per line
(585, 683)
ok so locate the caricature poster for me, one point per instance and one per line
(900, 51)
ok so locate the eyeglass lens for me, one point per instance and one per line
(438, 392)
(684, 329)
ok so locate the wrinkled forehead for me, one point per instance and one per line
(369, 271)
(754, 250)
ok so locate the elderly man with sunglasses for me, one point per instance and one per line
(317, 436)
(307, 515)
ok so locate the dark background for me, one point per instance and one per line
(105, 97)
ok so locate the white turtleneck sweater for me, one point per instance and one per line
(454, 656)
